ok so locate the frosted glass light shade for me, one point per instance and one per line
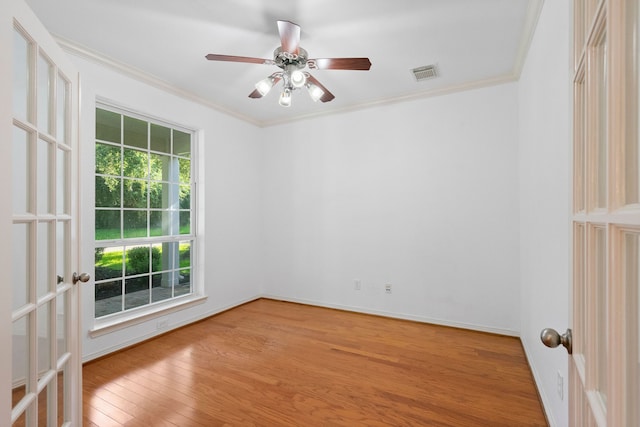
(298, 79)
(285, 98)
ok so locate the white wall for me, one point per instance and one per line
(422, 195)
(544, 101)
(230, 172)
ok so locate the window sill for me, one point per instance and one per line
(102, 327)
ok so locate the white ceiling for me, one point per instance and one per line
(472, 42)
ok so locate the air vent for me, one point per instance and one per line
(425, 73)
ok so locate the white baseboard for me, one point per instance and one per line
(393, 315)
(537, 380)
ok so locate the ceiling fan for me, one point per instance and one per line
(293, 59)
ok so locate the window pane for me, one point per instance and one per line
(185, 254)
(135, 193)
(181, 144)
(185, 222)
(136, 163)
(62, 251)
(135, 133)
(137, 260)
(160, 292)
(108, 192)
(185, 171)
(160, 138)
(160, 168)
(109, 262)
(108, 126)
(21, 76)
(108, 298)
(185, 197)
(184, 282)
(137, 292)
(158, 195)
(135, 224)
(159, 223)
(108, 159)
(107, 225)
(21, 171)
(160, 258)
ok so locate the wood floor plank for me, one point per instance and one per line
(272, 363)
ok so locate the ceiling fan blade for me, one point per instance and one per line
(339, 64)
(327, 96)
(289, 36)
(255, 94)
(231, 58)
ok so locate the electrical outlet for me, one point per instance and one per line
(387, 288)
(560, 385)
(357, 285)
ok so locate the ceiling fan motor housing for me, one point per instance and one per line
(284, 59)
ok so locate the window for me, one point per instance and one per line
(144, 216)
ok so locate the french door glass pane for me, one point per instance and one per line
(20, 367)
(62, 230)
(21, 272)
(21, 171)
(600, 65)
(44, 338)
(61, 319)
(579, 148)
(632, 286)
(62, 190)
(43, 171)
(44, 258)
(62, 110)
(579, 290)
(21, 76)
(601, 312)
(45, 88)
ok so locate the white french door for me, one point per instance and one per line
(606, 215)
(45, 356)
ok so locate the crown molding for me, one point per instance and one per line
(78, 50)
(534, 10)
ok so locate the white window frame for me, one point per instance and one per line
(126, 318)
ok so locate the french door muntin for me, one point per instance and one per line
(604, 366)
(45, 350)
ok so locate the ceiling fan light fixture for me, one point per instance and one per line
(298, 78)
(285, 98)
(265, 85)
(315, 92)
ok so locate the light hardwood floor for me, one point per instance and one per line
(272, 363)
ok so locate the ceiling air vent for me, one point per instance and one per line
(425, 73)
